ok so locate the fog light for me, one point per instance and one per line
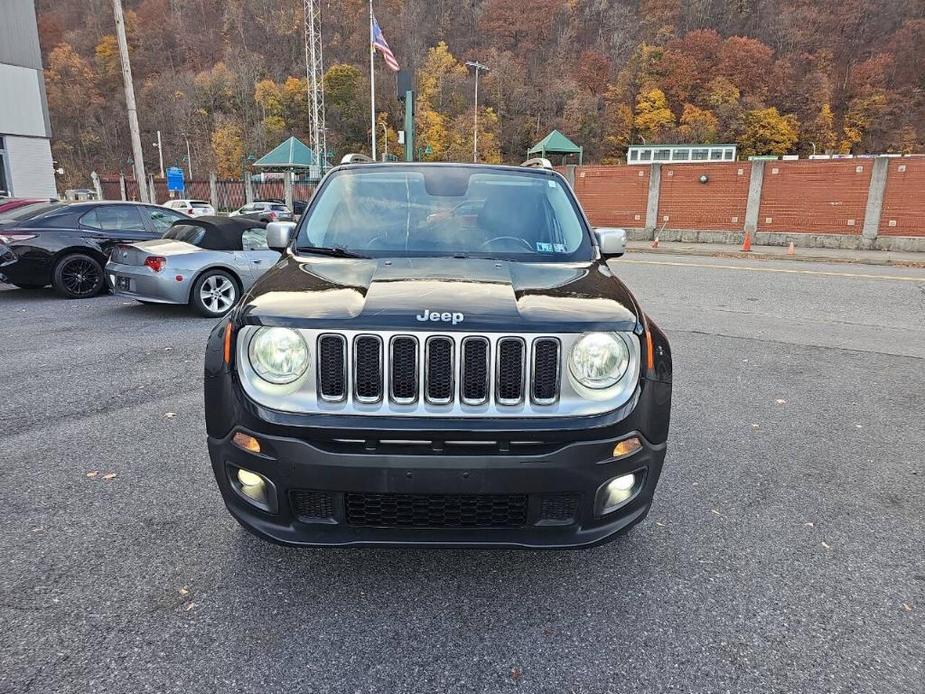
(251, 479)
(246, 442)
(617, 492)
(626, 446)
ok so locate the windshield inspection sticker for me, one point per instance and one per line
(559, 248)
(544, 247)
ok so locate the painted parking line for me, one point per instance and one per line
(898, 278)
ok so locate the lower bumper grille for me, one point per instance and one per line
(437, 510)
(312, 505)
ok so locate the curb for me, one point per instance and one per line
(758, 255)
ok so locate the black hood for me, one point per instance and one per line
(431, 293)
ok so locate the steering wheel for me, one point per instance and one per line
(515, 239)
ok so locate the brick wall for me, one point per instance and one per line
(817, 197)
(613, 195)
(903, 211)
(719, 204)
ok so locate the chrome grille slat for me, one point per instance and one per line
(475, 370)
(403, 369)
(332, 367)
(367, 368)
(510, 371)
(544, 388)
(439, 380)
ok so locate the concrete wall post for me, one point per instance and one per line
(874, 202)
(570, 174)
(248, 188)
(754, 197)
(287, 187)
(213, 190)
(655, 180)
(97, 186)
(152, 190)
(122, 190)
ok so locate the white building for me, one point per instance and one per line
(25, 147)
(679, 154)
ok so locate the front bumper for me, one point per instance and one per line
(376, 492)
(146, 285)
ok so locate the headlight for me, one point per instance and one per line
(599, 360)
(278, 355)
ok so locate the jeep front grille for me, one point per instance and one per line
(401, 363)
(421, 374)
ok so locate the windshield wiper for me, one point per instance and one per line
(335, 251)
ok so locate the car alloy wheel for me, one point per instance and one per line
(216, 293)
(78, 277)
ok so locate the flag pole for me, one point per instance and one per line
(372, 83)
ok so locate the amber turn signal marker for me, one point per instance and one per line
(228, 331)
(626, 446)
(246, 442)
(650, 351)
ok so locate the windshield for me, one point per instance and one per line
(446, 210)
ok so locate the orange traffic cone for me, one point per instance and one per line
(655, 242)
(791, 250)
(747, 245)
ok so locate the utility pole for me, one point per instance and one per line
(475, 126)
(137, 154)
(160, 152)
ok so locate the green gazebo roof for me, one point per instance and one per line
(555, 143)
(291, 154)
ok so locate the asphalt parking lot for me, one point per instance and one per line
(785, 551)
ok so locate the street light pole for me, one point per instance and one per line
(189, 159)
(137, 154)
(160, 152)
(475, 125)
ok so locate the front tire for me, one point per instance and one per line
(78, 276)
(214, 294)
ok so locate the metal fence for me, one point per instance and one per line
(225, 195)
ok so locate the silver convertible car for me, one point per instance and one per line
(207, 262)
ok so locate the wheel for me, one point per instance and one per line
(78, 276)
(27, 285)
(214, 293)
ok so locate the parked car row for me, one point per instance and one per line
(146, 252)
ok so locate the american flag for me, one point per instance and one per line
(380, 45)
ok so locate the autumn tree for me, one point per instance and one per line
(347, 114)
(768, 132)
(819, 133)
(437, 99)
(592, 72)
(228, 150)
(653, 119)
(697, 125)
(617, 128)
(507, 23)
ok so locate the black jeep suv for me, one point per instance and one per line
(441, 357)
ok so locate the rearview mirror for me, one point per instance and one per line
(279, 234)
(612, 241)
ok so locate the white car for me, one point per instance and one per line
(265, 211)
(194, 208)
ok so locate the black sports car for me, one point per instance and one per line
(442, 356)
(67, 244)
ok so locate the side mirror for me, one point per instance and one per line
(279, 234)
(612, 241)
